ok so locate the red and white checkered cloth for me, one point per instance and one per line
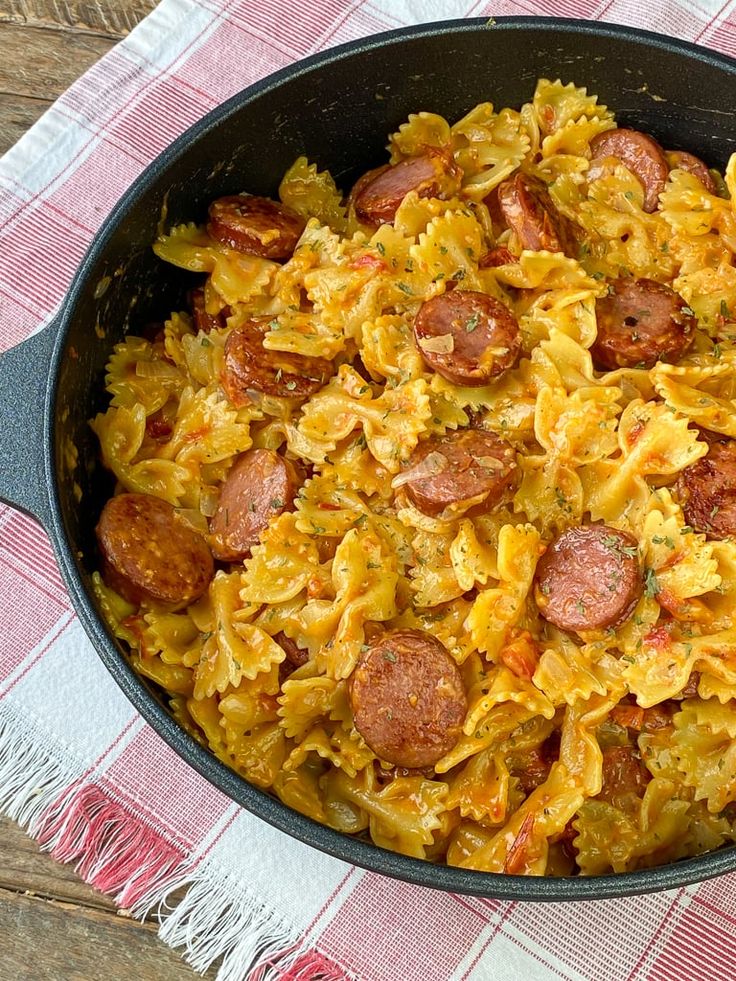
(77, 766)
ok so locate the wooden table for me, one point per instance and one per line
(52, 926)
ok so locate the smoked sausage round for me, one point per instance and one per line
(258, 226)
(250, 367)
(149, 554)
(681, 160)
(589, 578)
(640, 154)
(261, 486)
(707, 491)
(639, 323)
(467, 337)
(377, 194)
(458, 467)
(408, 698)
(528, 210)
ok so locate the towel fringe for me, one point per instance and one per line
(115, 851)
(30, 779)
(217, 920)
(313, 966)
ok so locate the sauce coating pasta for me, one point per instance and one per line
(452, 458)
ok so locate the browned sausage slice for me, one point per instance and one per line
(589, 579)
(639, 323)
(707, 491)
(261, 486)
(408, 698)
(640, 154)
(681, 160)
(378, 194)
(149, 554)
(528, 210)
(467, 337)
(249, 367)
(258, 226)
(446, 471)
(206, 321)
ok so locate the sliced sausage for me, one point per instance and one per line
(640, 154)
(408, 698)
(530, 213)
(261, 486)
(707, 491)
(639, 323)
(149, 554)
(681, 160)
(498, 222)
(378, 194)
(467, 337)
(446, 471)
(250, 367)
(206, 321)
(258, 226)
(589, 579)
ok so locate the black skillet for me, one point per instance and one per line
(337, 108)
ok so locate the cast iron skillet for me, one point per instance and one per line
(337, 108)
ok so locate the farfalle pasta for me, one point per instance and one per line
(425, 514)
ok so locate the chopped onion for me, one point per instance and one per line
(490, 462)
(156, 369)
(208, 500)
(430, 466)
(442, 344)
(193, 519)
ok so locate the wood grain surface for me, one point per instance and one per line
(53, 927)
(46, 44)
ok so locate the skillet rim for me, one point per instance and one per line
(258, 802)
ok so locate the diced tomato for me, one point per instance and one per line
(532, 770)
(500, 256)
(157, 428)
(515, 858)
(658, 717)
(658, 637)
(368, 261)
(691, 688)
(635, 432)
(521, 656)
(548, 117)
(567, 839)
(629, 716)
(623, 773)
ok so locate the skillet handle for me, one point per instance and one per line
(24, 375)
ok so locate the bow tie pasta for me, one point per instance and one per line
(425, 514)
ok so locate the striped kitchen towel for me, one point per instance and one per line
(78, 767)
